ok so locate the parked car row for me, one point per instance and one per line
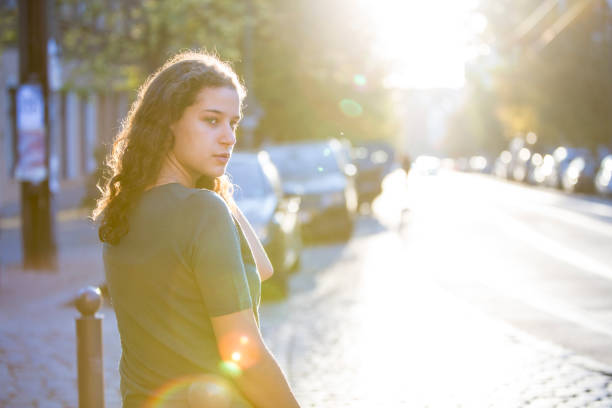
(273, 216)
(305, 191)
(575, 170)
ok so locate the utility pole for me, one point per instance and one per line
(33, 140)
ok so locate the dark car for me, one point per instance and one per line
(562, 157)
(603, 178)
(373, 161)
(579, 176)
(318, 173)
(274, 217)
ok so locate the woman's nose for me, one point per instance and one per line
(229, 135)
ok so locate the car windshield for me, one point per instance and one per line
(249, 178)
(304, 161)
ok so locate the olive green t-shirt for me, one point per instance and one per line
(183, 260)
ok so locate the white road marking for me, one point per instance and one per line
(551, 247)
(550, 306)
(570, 217)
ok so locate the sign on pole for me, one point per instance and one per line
(31, 131)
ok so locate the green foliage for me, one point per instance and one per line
(309, 57)
(8, 24)
(119, 43)
(561, 90)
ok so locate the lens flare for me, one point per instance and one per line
(239, 353)
(205, 393)
(360, 80)
(199, 390)
(170, 391)
(230, 369)
(351, 108)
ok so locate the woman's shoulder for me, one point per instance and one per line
(204, 201)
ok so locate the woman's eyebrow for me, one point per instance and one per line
(220, 113)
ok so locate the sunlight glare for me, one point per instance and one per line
(427, 42)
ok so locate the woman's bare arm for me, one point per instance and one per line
(262, 262)
(256, 373)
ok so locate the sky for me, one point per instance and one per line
(428, 41)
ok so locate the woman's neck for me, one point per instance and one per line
(173, 172)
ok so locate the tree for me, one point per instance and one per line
(119, 43)
(561, 90)
(315, 74)
(8, 24)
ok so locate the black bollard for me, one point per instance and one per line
(89, 349)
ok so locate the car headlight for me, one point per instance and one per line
(335, 198)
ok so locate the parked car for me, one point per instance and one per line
(427, 165)
(520, 164)
(373, 161)
(533, 169)
(603, 178)
(579, 176)
(542, 170)
(562, 157)
(318, 172)
(274, 217)
(479, 164)
(501, 167)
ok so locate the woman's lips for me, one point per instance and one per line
(224, 158)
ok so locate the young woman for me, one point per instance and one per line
(183, 265)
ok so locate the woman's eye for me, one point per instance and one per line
(235, 125)
(212, 121)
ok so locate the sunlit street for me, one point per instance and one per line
(469, 301)
(455, 289)
(306, 203)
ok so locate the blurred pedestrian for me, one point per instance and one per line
(183, 265)
(405, 209)
(406, 163)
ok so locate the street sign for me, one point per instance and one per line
(31, 149)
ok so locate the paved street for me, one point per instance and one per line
(486, 294)
(538, 259)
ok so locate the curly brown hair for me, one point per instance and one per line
(145, 137)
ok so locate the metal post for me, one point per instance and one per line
(38, 236)
(89, 349)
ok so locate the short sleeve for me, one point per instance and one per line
(216, 257)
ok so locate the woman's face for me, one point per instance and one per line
(206, 133)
